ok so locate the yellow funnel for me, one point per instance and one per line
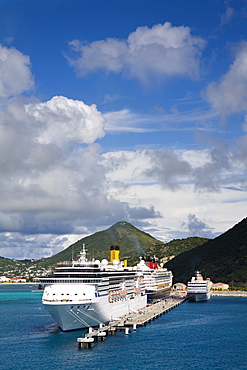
(114, 253)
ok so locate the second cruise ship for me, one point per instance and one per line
(84, 293)
(198, 289)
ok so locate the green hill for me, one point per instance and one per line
(132, 242)
(177, 246)
(221, 259)
(7, 265)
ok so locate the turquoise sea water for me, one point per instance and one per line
(209, 335)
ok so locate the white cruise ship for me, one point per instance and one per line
(157, 280)
(198, 289)
(86, 293)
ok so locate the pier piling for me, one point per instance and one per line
(134, 320)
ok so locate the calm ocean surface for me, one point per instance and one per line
(209, 335)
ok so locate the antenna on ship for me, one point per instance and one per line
(83, 254)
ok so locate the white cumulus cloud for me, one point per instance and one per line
(15, 73)
(229, 95)
(67, 120)
(162, 50)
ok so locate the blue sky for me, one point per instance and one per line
(120, 110)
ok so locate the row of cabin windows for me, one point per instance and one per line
(65, 294)
(72, 281)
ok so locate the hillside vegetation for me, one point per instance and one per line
(221, 259)
(133, 243)
(177, 246)
(7, 265)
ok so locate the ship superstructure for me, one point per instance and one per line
(157, 280)
(84, 293)
(198, 289)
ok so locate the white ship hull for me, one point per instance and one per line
(84, 293)
(199, 297)
(158, 284)
(78, 315)
(198, 290)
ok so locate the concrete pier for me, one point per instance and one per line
(85, 342)
(133, 320)
(93, 334)
(228, 293)
(149, 313)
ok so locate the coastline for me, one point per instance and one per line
(228, 293)
(20, 284)
(214, 293)
(218, 293)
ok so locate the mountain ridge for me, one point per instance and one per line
(223, 258)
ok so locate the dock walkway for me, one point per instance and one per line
(134, 320)
(148, 313)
